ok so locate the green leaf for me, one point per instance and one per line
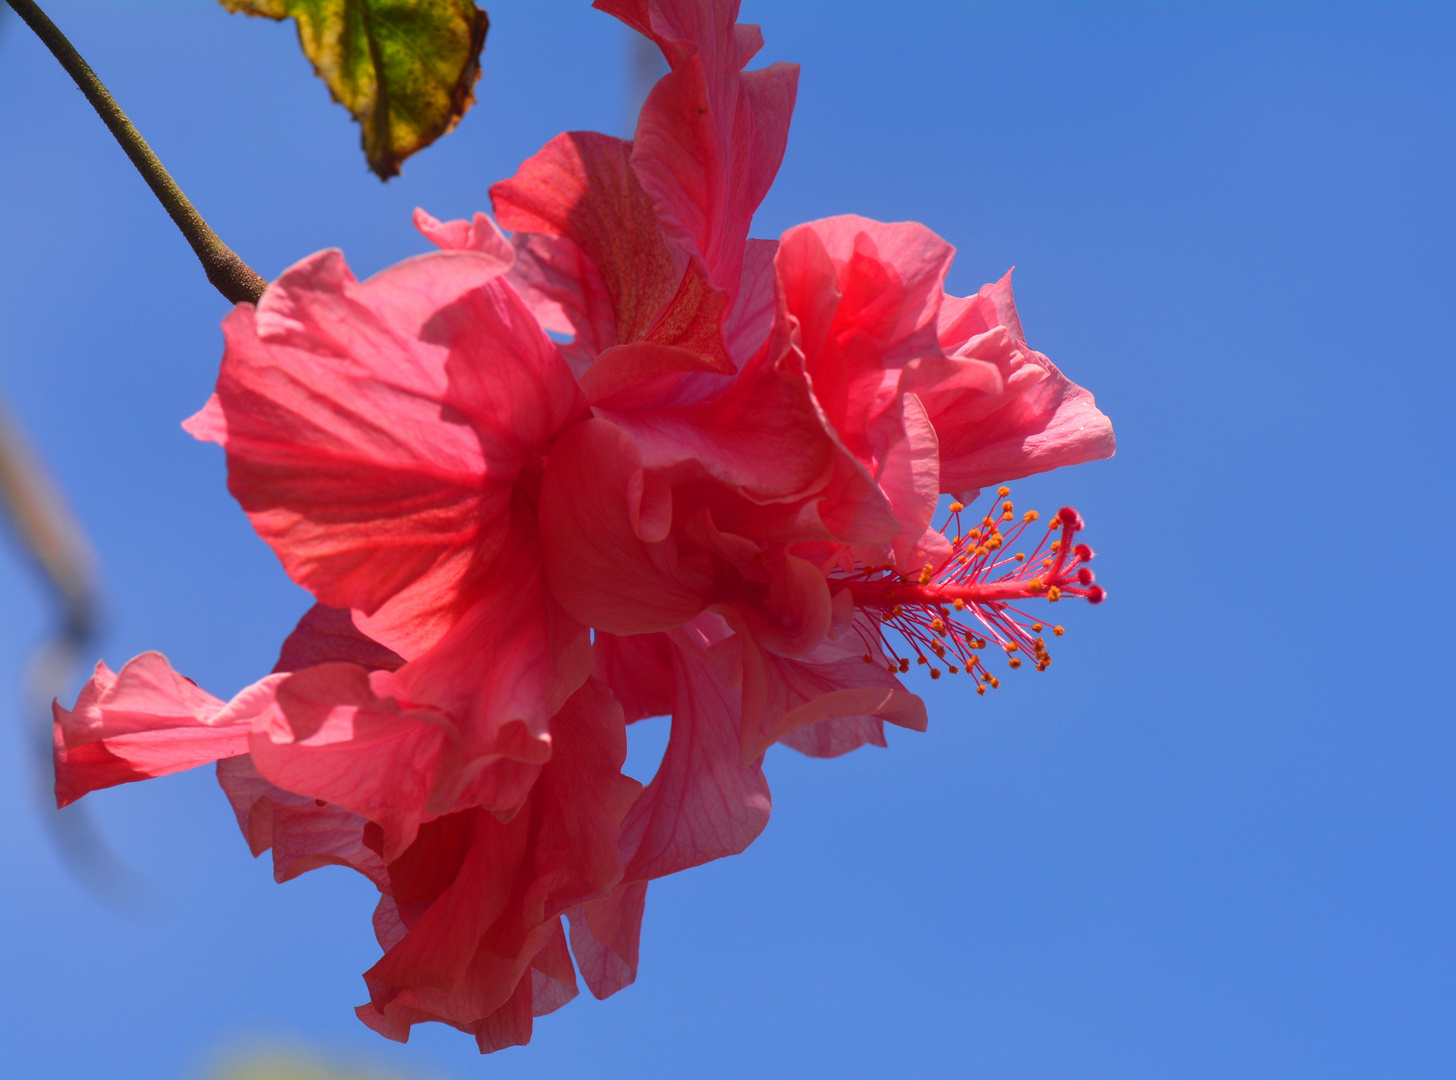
(406, 69)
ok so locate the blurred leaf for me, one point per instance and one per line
(293, 1067)
(406, 69)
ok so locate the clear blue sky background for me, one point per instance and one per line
(1216, 839)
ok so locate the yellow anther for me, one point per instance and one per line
(1015, 663)
(868, 659)
(921, 660)
(1035, 584)
(1008, 516)
(1011, 647)
(981, 690)
(1054, 594)
(925, 573)
(1003, 491)
(935, 673)
(1036, 628)
(953, 669)
(1030, 516)
(1056, 546)
(958, 604)
(963, 557)
(956, 508)
(1019, 556)
(1007, 506)
(937, 625)
(1058, 631)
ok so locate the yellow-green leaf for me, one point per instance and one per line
(406, 69)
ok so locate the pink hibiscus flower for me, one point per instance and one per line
(715, 501)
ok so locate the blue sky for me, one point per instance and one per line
(1215, 839)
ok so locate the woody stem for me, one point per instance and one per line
(232, 277)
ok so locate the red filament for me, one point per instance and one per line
(952, 614)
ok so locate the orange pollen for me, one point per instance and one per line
(932, 609)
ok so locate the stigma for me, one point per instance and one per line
(962, 614)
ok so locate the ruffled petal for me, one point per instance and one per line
(830, 701)
(1001, 409)
(510, 662)
(331, 406)
(480, 899)
(328, 635)
(597, 514)
(144, 721)
(910, 479)
(478, 234)
(566, 294)
(762, 437)
(302, 834)
(638, 670)
(333, 738)
(705, 802)
(606, 936)
(581, 186)
(865, 296)
(710, 136)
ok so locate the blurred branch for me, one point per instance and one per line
(232, 277)
(48, 531)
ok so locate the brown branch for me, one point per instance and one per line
(232, 277)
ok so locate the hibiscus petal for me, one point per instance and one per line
(1024, 417)
(481, 899)
(596, 506)
(581, 186)
(505, 375)
(331, 413)
(302, 833)
(144, 721)
(333, 738)
(866, 296)
(565, 293)
(910, 478)
(751, 318)
(478, 234)
(606, 936)
(325, 635)
(512, 660)
(710, 136)
(638, 670)
(763, 436)
(628, 376)
(831, 701)
(704, 803)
